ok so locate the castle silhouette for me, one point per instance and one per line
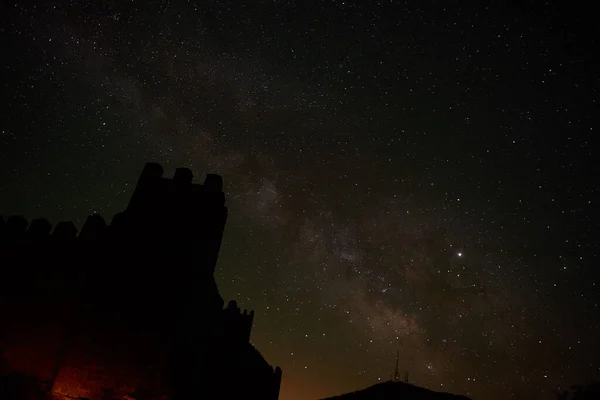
(129, 308)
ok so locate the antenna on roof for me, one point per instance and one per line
(396, 373)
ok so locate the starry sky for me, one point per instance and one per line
(414, 176)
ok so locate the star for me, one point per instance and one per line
(338, 177)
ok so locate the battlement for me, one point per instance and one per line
(160, 209)
(167, 240)
(175, 208)
(17, 228)
(238, 323)
(98, 307)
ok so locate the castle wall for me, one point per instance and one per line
(126, 304)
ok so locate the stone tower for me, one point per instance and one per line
(131, 304)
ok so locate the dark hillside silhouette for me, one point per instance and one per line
(130, 307)
(396, 390)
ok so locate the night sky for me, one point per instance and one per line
(413, 176)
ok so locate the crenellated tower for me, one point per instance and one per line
(132, 302)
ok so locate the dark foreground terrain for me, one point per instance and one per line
(396, 390)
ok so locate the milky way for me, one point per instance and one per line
(405, 178)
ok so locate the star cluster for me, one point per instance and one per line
(401, 176)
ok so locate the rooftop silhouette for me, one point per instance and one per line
(129, 307)
(396, 390)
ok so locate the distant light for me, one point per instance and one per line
(460, 254)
